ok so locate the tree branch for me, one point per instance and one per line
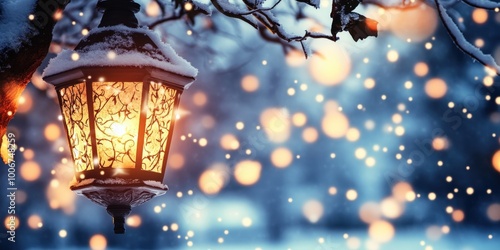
(23, 58)
(462, 43)
(483, 4)
(164, 20)
(402, 6)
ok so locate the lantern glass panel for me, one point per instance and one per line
(73, 101)
(130, 126)
(160, 114)
(117, 107)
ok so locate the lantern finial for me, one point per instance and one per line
(118, 12)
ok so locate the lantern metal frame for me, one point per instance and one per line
(123, 187)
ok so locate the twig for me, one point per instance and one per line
(164, 20)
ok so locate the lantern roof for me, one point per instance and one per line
(119, 45)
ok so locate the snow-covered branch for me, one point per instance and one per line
(26, 35)
(463, 44)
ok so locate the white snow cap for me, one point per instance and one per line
(159, 55)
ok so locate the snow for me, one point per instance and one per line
(14, 22)
(462, 43)
(486, 4)
(315, 3)
(203, 6)
(155, 184)
(83, 182)
(99, 55)
(118, 181)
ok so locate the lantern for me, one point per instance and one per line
(118, 92)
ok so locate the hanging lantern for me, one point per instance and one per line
(118, 92)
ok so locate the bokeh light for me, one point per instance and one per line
(381, 231)
(403, 25)
(313, 210)
(435, 88)
(276, 124)
(247, 172)
(331, 64)
(250, 83)
(281, 157)
(30, 171)
(98, 242)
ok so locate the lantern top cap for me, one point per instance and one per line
(119, 45)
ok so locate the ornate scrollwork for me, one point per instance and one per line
(75, 111)
(131, 196)
(117, 109)
(159, 116)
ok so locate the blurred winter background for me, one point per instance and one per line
(388, 143)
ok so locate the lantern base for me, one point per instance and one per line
(118, 196)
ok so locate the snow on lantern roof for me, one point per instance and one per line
(121, 46)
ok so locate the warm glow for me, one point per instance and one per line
(381, 231)
(332, 190)
(134, 220)
(493, 212)
(247, 172)
(391, 208)
(281, 157)
(331, 64)
(402, 191)
(200, 99)
(246, 222)
(480, 16)
(213, 179)
(369, 212)
(276, 124)
(153, 9)
(370, 162)
(63, 233)
(30, 170)
(435, 88)
(35, 222)
(310, 134)
(496, 160)
(299, 119)
(52, 132)
(313, 210)
(117, 112)
(295, 58)
(404, 26)
(25, 102)
(176, 161)
(397, 118)
(421, 69)
(98, 242)
(440, 143)
(360, 153)
(392, 56)
(353, 134)
(351, 194)
(250, 83)
(432, 196)
(335, 124)
(369, 83)
(11, 222)
(229, 142)
(458, 215)
(118, 130)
